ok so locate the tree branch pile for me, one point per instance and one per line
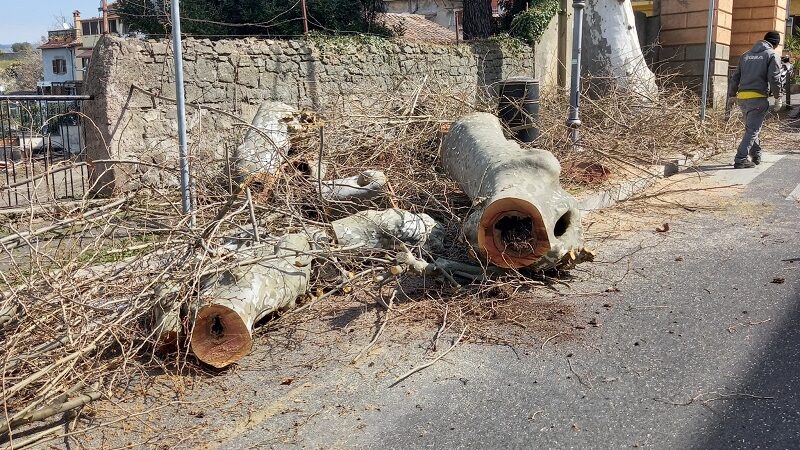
(94, 298)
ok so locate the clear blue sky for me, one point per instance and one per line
(29, 20)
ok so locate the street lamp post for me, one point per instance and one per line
(574, 118)
(707, 60)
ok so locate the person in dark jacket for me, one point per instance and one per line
(756, 77)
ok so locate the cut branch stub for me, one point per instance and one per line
(367, 185)
(521, 217)
(234, 300)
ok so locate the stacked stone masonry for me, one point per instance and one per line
(237, 75)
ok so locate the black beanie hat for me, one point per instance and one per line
(773, 37)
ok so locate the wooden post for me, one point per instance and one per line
(305, 17)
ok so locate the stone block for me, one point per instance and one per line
(248, 76)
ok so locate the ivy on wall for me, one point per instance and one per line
(530, 25)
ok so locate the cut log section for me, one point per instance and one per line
(388, 229)
(233, 301)
(521, 217)
(367, 185)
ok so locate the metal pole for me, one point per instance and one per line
(707, 67)
(186, 203)
(455, 16)
(574, 118)
(305, 16)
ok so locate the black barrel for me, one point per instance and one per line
(519, 107)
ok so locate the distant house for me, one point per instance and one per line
(60, 76)
(446, 13)
(67, 53)
(92, 29)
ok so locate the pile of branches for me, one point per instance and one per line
(96, 295)
(625, 134)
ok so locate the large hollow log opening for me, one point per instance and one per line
(512, 233)
(220, 337)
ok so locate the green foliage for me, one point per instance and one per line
(254, 17)
(19, 47)
(530, 25)
(792, 44)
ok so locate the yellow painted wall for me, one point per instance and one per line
(646, 6)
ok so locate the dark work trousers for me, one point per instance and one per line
(754, 111)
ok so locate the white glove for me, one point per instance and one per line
(778, 104)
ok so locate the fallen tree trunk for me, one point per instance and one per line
(522, 217)
(233, 301)
(388, 229)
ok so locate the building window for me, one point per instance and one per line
(59, 66)
(112, 26)
(90, 27)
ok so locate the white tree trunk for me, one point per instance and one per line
(521, 216)
(267, 142)
(611, 47)
(233, 301)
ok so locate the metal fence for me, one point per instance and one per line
(42, 140)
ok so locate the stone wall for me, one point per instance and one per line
(235, 76)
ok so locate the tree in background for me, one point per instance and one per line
(253, 17)
(23, 74)
(20, 47)
(478, 20)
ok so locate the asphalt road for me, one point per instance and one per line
(699, 348)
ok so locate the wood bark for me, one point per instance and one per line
(233, 301)
(477, 19)
(611, 48)
(521, 216)
(388, 229)
(367, 185)
(266, 142)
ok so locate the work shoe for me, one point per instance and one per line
(746, 164)
(756, 160)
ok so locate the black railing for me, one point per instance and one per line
(42, 140)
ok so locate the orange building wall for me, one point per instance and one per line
(684, 22)
(753, 18)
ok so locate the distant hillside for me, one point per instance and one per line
(5, 48)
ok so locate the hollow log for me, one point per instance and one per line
(367, 185)
(233, 301)
(388, 229)
(521, 216)
(266, 142)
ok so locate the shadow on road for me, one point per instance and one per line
(743, 421)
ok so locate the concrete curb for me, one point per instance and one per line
(621, 192)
